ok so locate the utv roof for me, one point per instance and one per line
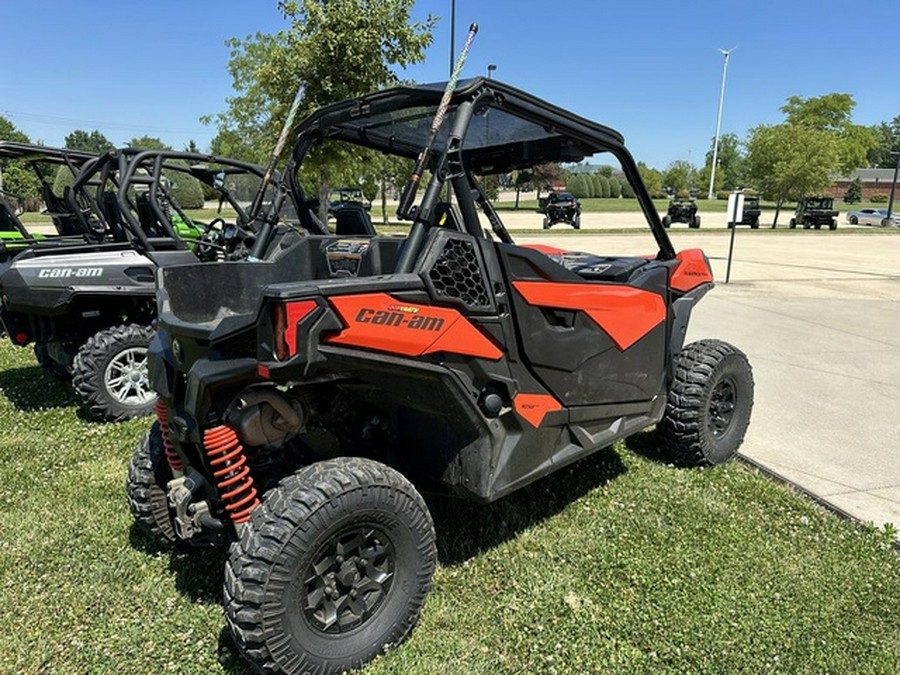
(512, 129)
(42, 153)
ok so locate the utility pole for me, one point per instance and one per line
(887, 221)
(712, 174)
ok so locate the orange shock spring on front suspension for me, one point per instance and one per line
(172, 458)
(229, 465)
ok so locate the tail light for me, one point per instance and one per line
(285, 318)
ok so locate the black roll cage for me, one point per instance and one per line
(567, 137)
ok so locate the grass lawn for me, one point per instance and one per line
(618, 564)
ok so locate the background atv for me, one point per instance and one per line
(88, 309)
(682, 211)
(815, 212)
(751, 213)
(562, 207)
(302, 398)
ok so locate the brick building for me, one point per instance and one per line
(875, 182)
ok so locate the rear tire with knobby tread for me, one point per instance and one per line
(90, 366)
(709, 404)
(148, 475)
(268, 574)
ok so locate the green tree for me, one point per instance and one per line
(854, 191)
(88, 142)
(678, 175)
(545, 176)
(788, 162)
(652, 179)
(887, 142)
(148, 143)
(15, 177)
(832, 113)
(596, 184)
(337, 48)
(816, 142)
(731, 164)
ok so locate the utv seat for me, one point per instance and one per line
(113, 214)
(65, 222)
(353, 219)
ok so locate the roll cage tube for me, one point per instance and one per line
(424, 215)
(128, 178)
(304, 144)
(90, 169)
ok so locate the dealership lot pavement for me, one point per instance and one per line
(818, 314)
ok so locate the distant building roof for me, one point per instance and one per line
(871, 175)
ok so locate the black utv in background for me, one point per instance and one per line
(682, 210)
(562, 207)
(815, 212)
(751, 213)
(306, 400)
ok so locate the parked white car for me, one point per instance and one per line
(871, 217)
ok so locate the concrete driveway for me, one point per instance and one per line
(818, 314)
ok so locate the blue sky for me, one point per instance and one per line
(650, 69)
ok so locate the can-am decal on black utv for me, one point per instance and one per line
(300, 398)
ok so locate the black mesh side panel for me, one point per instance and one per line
(456, 274)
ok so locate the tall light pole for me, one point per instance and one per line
(712, 174)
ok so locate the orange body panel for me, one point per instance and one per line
(692, 270)
(627, 314)
(378, 321)
(534, 407)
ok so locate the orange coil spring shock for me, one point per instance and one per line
(229, 465)
(174, 461)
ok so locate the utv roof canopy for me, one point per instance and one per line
(510, 129)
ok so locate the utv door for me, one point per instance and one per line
(594, 337)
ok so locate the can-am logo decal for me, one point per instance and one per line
(68, 272)
(381, 317)
(378, 321)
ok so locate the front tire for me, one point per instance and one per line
(709, 404)
(332, 568)
(667, 221)
(109, 373)
(854, 220)
(793, 223)
(695, 222)
(148, 475)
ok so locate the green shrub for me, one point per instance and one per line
(627, 191)
(615, 187)
(597, 184)
(879, 199)
(604, 186)
(578, 186)
(186, 189)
